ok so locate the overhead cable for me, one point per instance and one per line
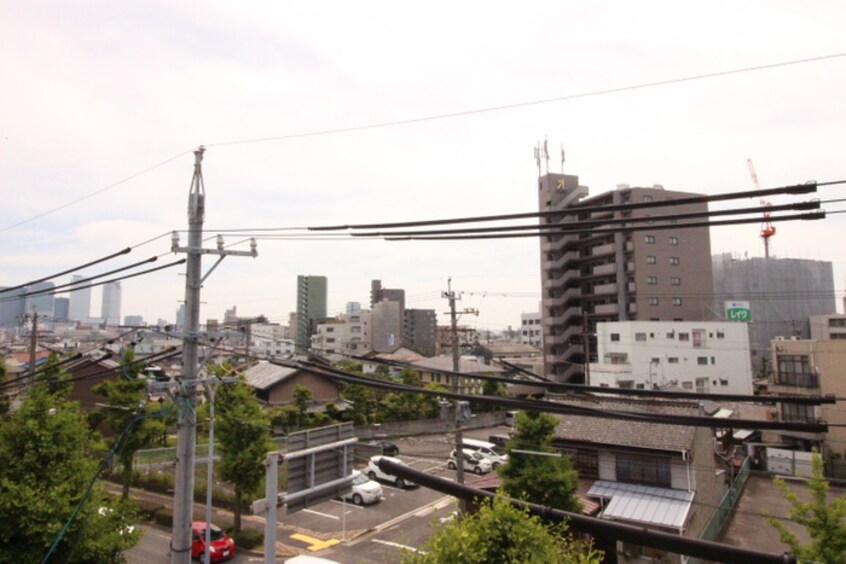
(74, 269)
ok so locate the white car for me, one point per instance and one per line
(364, 490)
(375, 473)
(473, 462)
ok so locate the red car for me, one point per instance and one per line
(222, 545)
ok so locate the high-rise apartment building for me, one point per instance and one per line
(602, 273)
(378, 294)
(782, 295)
(79, 308)
(60, 309)
(42, 303)
(110, 311)
(420, 330)
(12, 307)
(311, 306)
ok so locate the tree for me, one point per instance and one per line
(546, 480)
(824, 522)
(302, 397)
(499, 532)
(361, 398)
(243, 435)
(46, 467)
(4, 397)
(54, 378)
(125, 397)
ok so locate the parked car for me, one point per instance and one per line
(499, 440)
(510, 418)
(388, 449)
(222, 545)
(375, 473)
(473, 462)
(364, 490)
(495, 454)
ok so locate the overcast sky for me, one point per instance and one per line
(96, 92)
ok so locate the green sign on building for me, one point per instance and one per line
(738, 311)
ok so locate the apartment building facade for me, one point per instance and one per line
(311, 306)
(608, 272)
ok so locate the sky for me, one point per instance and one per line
(103, 102)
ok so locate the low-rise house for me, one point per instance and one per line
(431, 371)
(647, 474)
(275, 384)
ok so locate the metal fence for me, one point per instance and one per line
(148, 459)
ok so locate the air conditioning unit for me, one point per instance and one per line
(778, 338)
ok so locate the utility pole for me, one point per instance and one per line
(586, 346)
(183, 496)
(459, 436)
(33, 340)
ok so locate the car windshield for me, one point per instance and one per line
(216, 533)
(498, 449)
(476, 456)
(359, 479)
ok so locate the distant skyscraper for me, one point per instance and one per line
(311, 305)
(133, 321)
(60, 309)
(111, 304)
(12, 308)
(79, 308)
(353, 308)
(180, 317)
(42, 303)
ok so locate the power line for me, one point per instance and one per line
(491, 109)
(74, 269)
(94, 193)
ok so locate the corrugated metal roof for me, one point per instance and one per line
(643, 504)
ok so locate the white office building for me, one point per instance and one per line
(79, 308)
(696, 356)
(531, 330)
(111, 304)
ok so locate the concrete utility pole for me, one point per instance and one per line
(33, 340)
(183, 496)
(456, 367)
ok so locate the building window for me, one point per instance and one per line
(803, 413)
(713, 360)
(640, 336)
(795, 370)
(720, 334)
(702, 360)
(330, 329)
(355, 329)
(615, 337)
(674, 261)
(702, 385)
(673, 360)
(677, 301)
(651, 280)
(653, 301)
(647, 470)
(651, 259)
(647, 198)
(674, 241)
(698, 338)
(684, 336)
(675, 280)
(650, 239)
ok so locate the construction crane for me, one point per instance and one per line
(767, 229)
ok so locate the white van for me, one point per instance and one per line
(493, 453)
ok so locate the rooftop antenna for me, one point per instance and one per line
(538, 158)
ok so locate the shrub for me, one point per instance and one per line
(249, 538)
(163, 518)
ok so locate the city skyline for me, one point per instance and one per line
(624, 91)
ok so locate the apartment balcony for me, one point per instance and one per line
(599, 250)
(630, 246)
(604, 269)
(605, 289)
(569, 297)
(632, 308)
(605, 309)
(631, 287)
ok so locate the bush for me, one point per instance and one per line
(163, 518)
(249, 538)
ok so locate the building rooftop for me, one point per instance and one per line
(465, 366)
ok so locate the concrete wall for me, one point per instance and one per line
(425, 426)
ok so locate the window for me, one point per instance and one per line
(721, 335)
(355, 329)
(643, 470)
(671, 334)
(684, 336)
(653, 301)
(655, 360)
(615, 337)
(675, 280)
(702, 385)
(651, 259)
(330, 329)
(674, 261)
(330, 339)
(804, 413)
(640, 336)
(674, 241)
(795, 370)
(698, 338)
(673, 360)
(702, 360)
(652, 280)
(647, 198)
(713, 360)
(687, 385)
(650, 239)
(677, 301)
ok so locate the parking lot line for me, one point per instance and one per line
(398, 545)
(313, 512)
(348, 504)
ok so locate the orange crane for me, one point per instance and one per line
(767, 229)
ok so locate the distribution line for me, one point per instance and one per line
(74, 269)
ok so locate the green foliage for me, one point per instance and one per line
(302, 397)
(4, 398)
(824, 522)
(243, 433)
(248, 538)
(45, 469)
(54, 378)
(350, 366)
(499, 532)
(539, 479)
(125, 396)
(363, 403)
